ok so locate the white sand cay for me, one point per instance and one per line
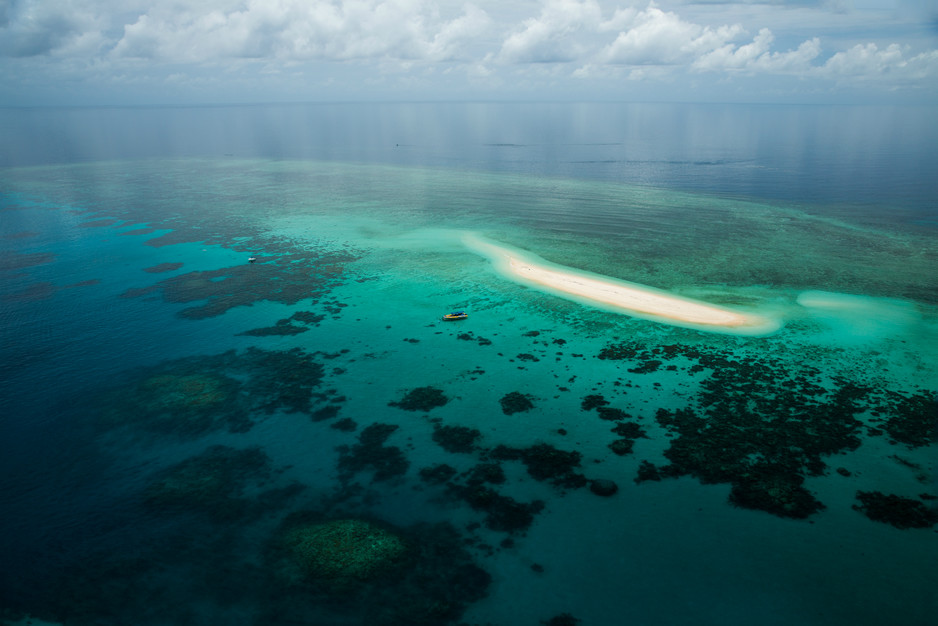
(617, 295)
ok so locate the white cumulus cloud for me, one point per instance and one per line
(541, 45)
(756, 57)
(299, 30)
(866, 62)
(656, 37)
(554, 36)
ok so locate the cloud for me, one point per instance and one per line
(300, 30)
(454, 38)
(30, 28)
(865, 62)
(656, 37)
(755, 57)
(552, 37)
(536, 44)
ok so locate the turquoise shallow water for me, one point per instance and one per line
(785, 478)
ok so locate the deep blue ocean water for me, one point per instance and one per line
(137, 338)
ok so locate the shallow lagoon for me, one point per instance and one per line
(138, 339)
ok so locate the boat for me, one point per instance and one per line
(455, 315)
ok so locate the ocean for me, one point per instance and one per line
(227, 394)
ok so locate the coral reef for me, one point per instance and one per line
(289, 277)
(776, 492)
(162, 267)
(603, 487)
(762, 425)
(593, 401)
(502, 513)
(482, 341)
(756, 425)
(485, 473)
(895, 510)
(13, 260)
(421, 399)
(913, 420)
(345, 425)
(621, 447)
(343, 550)
(210, 483)
(545, 463)
(647, 471)
(362, 571)
(456, 438)
(629, 432)
(371, 454)
(194, 395)
(437, 474)
(287, 326)
(516, 402)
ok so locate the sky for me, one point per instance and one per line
(164, 52)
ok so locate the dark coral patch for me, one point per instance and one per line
(289, 279)
(325, 413)
(491, 473)
(345, 425)
(195, 395)
(775, 492)
(914, 419)
(347, 570)
(647, 471)
(437, 474)
(895, 510)
(212, 483)
(647, 367)
(421, 399)
(288, 326)
(593, 401)
(482, 341)
(34, 293)
(621, 447)
(762, 425)
(516, 402)
(97, 223)
(545, 463)
(456, 438)
(611, 414)
(162, 267)
(371, 454)
(25, 234)
(86, 283)
(502, 513)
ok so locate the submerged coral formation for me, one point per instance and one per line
(211, 482)
(896, 510)
(545, 462)
(421, 399)
(194, 395)
(299, 322)
(762, 427)
(371, 454)
(344, 549)
(516, 402)
(456, 438)
(348, 569)
(287, 278)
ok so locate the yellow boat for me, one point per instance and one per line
(455, 315)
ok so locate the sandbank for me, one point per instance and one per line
(617, 295)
